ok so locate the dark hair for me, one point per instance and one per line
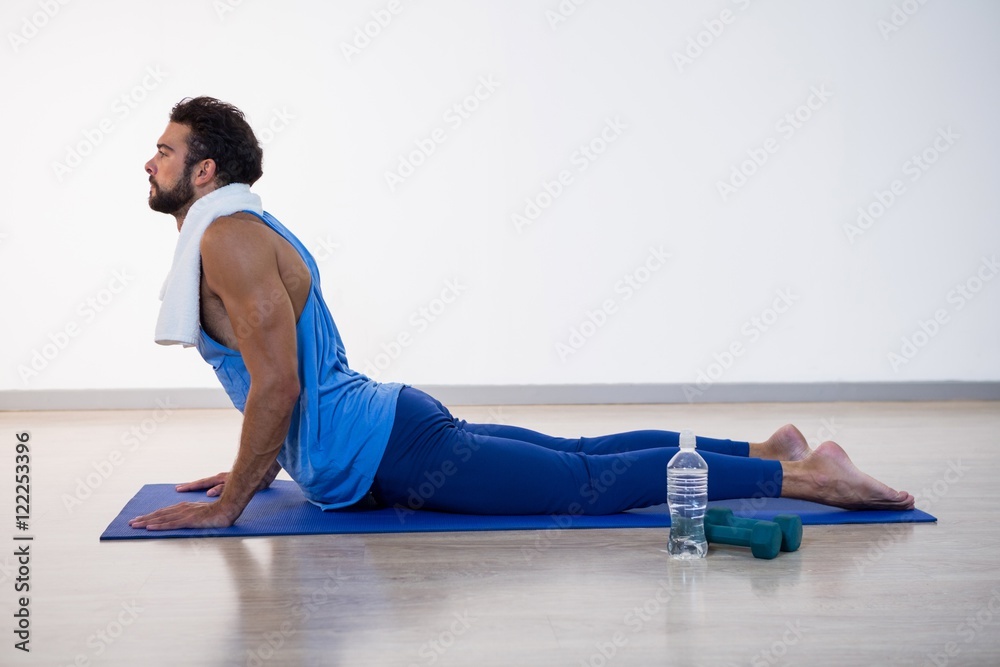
(220, 132)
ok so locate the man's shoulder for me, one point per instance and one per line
(239, 223)
(235, 241)
(239, 230)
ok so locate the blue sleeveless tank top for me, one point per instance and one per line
(342, 420)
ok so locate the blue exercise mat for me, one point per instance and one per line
(283, 510)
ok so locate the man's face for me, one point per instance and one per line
(170, 186)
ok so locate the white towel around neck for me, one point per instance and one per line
(180, 318)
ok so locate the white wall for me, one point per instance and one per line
(64, 236)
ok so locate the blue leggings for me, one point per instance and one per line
(436, 462)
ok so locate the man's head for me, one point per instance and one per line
(207, 144)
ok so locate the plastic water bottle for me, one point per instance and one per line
(687, 494)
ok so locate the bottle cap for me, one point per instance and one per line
(688, 439)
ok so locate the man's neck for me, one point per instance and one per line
(181, 213)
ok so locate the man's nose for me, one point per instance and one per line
(149, 167)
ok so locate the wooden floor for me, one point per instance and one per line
(925, 594)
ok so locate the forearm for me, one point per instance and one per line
(266, 419)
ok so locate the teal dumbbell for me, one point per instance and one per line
(763, 538)
(790, 525)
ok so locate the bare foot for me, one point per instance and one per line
(787, 444)
(828, 476)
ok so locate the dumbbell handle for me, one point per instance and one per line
(742, 522)
(764, 539)
(739, 537)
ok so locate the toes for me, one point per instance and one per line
(900, 500)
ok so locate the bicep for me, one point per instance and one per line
(244, 274)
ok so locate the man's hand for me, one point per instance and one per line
(186, 515)
(216, 483)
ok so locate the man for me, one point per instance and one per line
(254, 288)
(341, 435)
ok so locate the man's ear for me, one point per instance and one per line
(204, 172)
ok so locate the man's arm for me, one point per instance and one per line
(241, 267)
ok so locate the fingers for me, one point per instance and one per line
(156, 520)
(215, 490)
(181, 515)
(156, 523)
(197, 485)
(204, 483)
(171, 524)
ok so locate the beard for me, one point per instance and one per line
(173, 200)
